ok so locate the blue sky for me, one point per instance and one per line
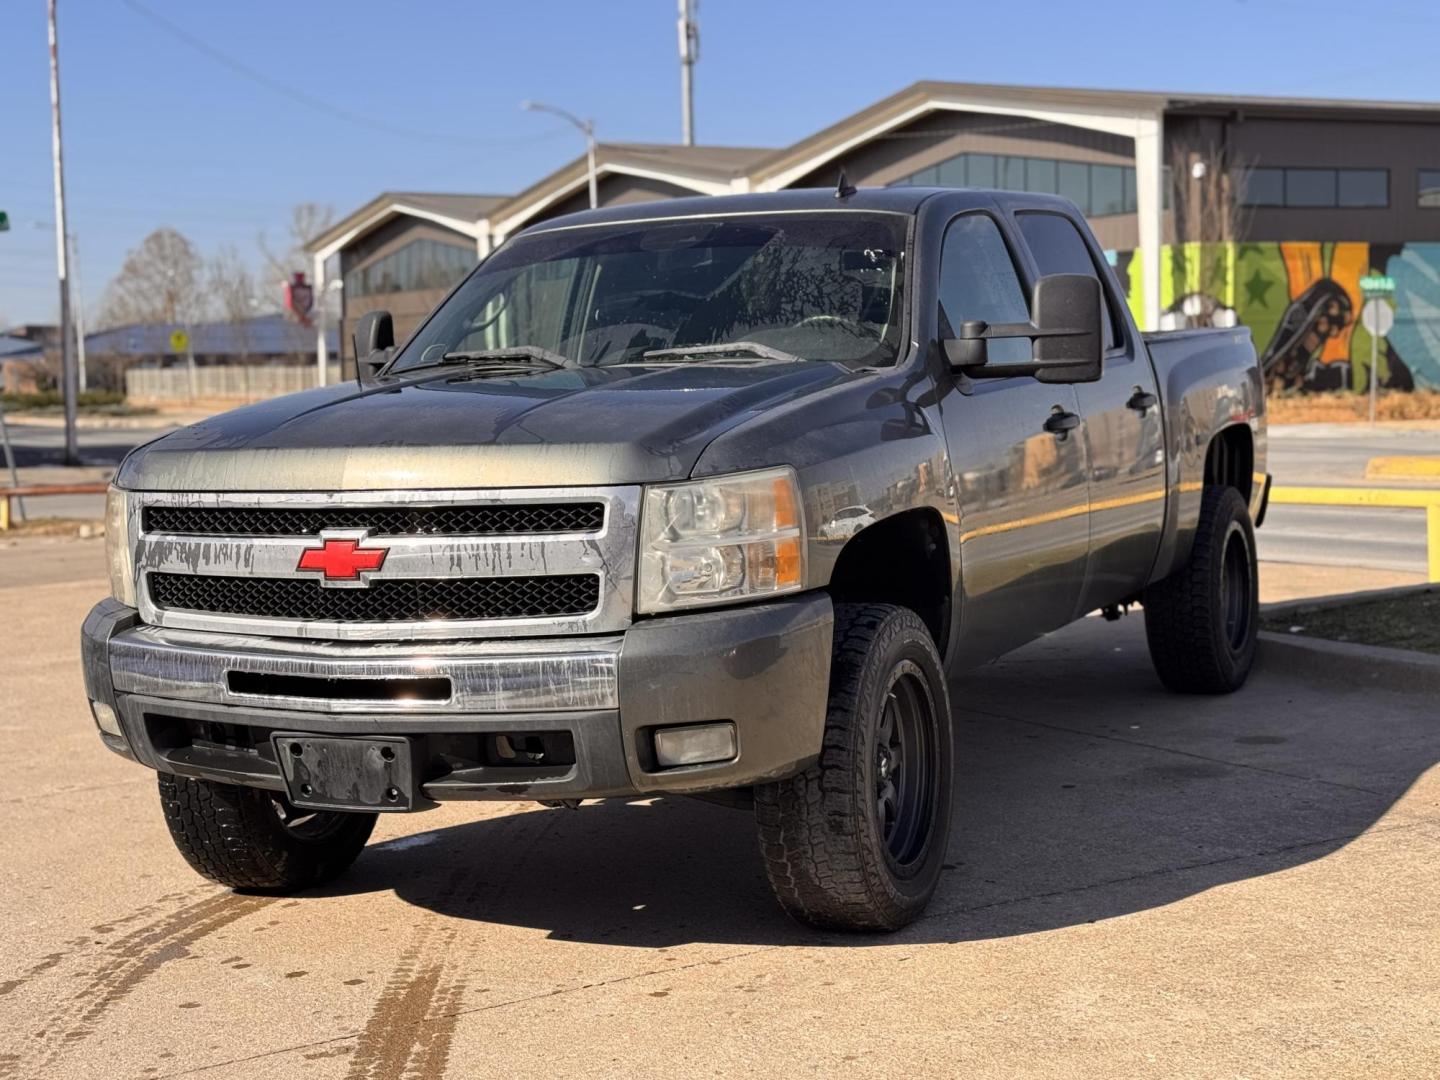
(160, 132)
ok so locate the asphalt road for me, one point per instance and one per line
(1326, 454)
(1139, 885)
(44, 444)
(40, 453)
(1335, 455)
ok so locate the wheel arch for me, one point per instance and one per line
(901, 559)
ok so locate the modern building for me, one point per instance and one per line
(1263, 211)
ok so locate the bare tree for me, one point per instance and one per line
(161, 281)
(1207, 189)
(234, 294)
(307, 221)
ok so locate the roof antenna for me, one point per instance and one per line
(844, 189)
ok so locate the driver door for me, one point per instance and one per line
(1022, 490)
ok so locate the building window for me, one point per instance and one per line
(1096, 189)
(420, 264)
(1325, 188)
(1430, 188)
(1364, 187)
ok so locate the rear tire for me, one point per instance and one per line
(251, 839)
(857, 841)
(1201, 621)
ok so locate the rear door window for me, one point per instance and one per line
(1059, 248)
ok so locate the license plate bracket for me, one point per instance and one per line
(334, 772)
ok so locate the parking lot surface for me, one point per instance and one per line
(1139, 885)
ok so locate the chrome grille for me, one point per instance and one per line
(569, 569)
(411, 600)
(486, 520)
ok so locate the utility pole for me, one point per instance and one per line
(689, 53)
(79, 313)
(67, 359)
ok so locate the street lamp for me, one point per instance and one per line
(587, 128)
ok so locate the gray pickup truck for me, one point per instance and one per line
(707, 497)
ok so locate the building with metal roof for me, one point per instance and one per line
(1263, 210)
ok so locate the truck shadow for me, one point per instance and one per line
(1085, 792)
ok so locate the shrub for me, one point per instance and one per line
(46, 399)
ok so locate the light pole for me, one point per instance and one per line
(67, 356)
(587, 128)
(689, 53)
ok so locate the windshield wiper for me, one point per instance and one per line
(525, 355)
(730, 348)
(494, 361)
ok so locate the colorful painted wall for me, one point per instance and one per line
(1302, 301)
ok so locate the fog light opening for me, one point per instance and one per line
(695, 744)
(106, 719)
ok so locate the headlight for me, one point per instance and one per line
(722, 539)
(118, 556)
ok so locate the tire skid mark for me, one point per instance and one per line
(44, 964)
(412, 1023)
(132, 958)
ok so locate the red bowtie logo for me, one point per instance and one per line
(341, 560)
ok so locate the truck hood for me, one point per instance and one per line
(447, 429)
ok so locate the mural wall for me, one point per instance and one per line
(1302, 302)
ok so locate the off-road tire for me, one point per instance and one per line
(822, 839)
(235, 836)
(1196, 645)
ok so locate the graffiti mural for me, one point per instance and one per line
(1302, 302)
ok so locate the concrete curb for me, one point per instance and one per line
(1353, 666)
(1286, 608)
(98, 423)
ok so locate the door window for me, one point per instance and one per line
(978, 281)
(1059, 249)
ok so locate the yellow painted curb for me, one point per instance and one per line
(1403, 468)
(1352, 496)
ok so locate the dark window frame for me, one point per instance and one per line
(1335, 171)
(1129, 199)
(1016, 255)
(1420, 188)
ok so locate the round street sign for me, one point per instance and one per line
(1378, 317)
(179, 341)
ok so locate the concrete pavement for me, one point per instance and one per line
(1139, 885)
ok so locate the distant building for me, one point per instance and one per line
(1262, 211)
(23, 357)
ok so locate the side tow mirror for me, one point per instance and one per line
(374, 342)
(1066, 334)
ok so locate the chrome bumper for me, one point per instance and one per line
(763, 667)
(517, 676)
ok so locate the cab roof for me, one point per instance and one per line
(895, 200)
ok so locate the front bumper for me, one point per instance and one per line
(204, 704)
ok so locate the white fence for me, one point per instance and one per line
(240, 382)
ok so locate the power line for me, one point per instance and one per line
(309, 100)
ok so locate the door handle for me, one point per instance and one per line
(1141, 400)
(1060, 421)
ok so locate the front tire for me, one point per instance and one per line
(857, 841)
(251, 839)
(1201, 622)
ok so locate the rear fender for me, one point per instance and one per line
(1211, 383)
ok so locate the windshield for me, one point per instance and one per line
(823, 286)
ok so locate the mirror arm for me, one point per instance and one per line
(996, 331)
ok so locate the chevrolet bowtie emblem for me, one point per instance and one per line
(341, 560)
